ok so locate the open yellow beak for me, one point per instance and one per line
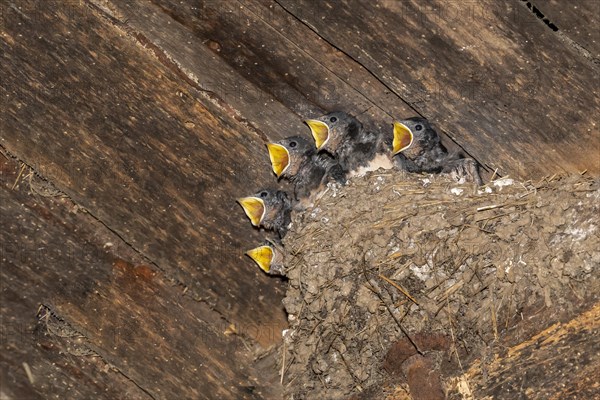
(280, 158)
(319, 130)
(403, 138)
(254, 209)
(262, 256)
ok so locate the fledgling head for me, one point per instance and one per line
(269, 208)
(287, 155)
(332, 130)
(413, 136)
(256, 206)
(269, 257)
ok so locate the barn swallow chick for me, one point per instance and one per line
(269, 257)
(343, 136)
(417, 147)
(270, 209)
(296, 160)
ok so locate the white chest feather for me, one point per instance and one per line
(380, 161)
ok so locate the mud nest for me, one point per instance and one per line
(397, 264)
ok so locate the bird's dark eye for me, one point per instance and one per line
(418, 127)
(293, 144)
(332, 119)
(264, 194)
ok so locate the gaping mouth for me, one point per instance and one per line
(254, 209)
(280, 158)
(262, 256)
(403, 138)
(320, 132)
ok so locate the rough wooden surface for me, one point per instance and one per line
(152, 117)
(490, 96)
(260, 59)
(545, 353)
(578, 20)
(489, 73)
(92, 319)
(142, 151)
(561, 362)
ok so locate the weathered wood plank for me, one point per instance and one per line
(560, 362)
(56, 368)
(27, 343)
(579, 20)
(140, 149)
(260, 60)
(256, 52)
(499, 82)
(140, 337)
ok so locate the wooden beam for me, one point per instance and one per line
(543, 362)
(153, 158)
(578, 20)
(256, 53)
(488, 73)
(70, 285)
(261, 60)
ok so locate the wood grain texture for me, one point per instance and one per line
(111, 326)
(152, 117)
(557, 363)
(144, 152)
(262, 61)
(488, 73)
(579, 20)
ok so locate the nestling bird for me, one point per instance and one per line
(296, 160)
(417, 147)
(356, 149)
(269, 257)
(270, 209)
